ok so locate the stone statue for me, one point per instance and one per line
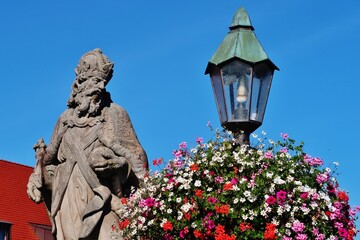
(94, 158)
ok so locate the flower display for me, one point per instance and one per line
(219, 190)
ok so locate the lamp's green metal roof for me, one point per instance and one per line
(240, 42)
(241, 18)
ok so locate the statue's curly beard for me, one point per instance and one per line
(88, 105)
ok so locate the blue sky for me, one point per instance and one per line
(161, 49)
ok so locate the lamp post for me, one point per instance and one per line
(241, 75)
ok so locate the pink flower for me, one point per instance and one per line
(209, 224)
(177, 153)
(283, 150)
(304, 195)
(184, 232)
(281, 195)
(298, 226)
(149, 202)
(268, 155)
(183, 145)
(271, 200)
(338, 225)
(233, 181)
(357, 208)
(284, 136)
(301, 237)
(343, 233)
(212, 200)
(219, 179)
(313, 161)
(320, 237)
(199, 140)
(322, 177)
(314, 196)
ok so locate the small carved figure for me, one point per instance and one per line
(94, 158)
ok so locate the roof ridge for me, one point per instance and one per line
(19, 164)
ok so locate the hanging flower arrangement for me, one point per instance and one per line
(218, 190)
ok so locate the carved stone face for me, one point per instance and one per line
(93, 72)
(88, 101)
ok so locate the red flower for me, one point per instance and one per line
(343, 196)
(167, 226)
(244, 226)
(194, 167)
(328, 213)
(269, 233)
(124, 201)
(187, 216)
(198, 193)
(198, 234)
(228, 186)
(219, 230)
(124, 224)
(157, 162)
(224, 209)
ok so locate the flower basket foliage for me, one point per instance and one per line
(218, 190)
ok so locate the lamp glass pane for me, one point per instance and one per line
(260, 91)
(218, 93)
(237, 81)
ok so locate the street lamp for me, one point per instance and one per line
(241, 75)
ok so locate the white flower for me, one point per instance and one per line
(236, 200)
(252, 199)
(180, 215)
(263, 213)
(186, 186)
(298, 183)
(247, 193)
(278, 180)
(169, 211)
(163, 222)
(313, 205)
(305, 210)
(178, 200)
(269, 174)
(197, 183)
(290, 178)
(185, 207)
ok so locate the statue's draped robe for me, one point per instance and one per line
(81, 202)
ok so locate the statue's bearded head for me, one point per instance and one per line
(93, 73)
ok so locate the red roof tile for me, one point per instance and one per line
(15, 205)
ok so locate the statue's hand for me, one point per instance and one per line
(33, 187)
(104, 161)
